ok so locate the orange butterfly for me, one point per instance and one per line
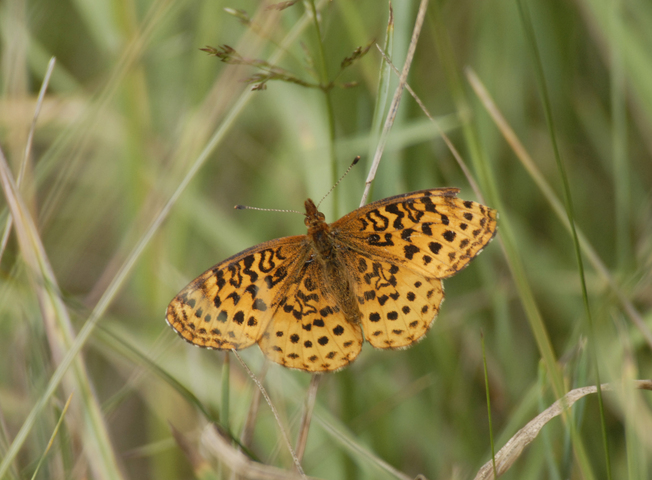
(307, 299)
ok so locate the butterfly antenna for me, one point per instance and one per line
(245, 207)
(355, 160)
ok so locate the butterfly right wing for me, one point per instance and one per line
(230, 305)
(399, 248)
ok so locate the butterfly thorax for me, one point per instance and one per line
(335, 279)
(318, 231)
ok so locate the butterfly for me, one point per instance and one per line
(309, 300)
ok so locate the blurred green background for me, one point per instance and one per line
(133, 106)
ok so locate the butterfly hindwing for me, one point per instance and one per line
(230, 305)
(397, 305)
(309, 331)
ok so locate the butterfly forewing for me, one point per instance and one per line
(230, 305)
(309, 331)
(431, 231)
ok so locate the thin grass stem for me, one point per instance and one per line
(456, 154)
(486, 387)
(556, 205)
(52, 437)
(393, 109)
(324, 81)
(541, 78)
(284, 434)
(384, 80)
(306, 418)
(28, 149)
(226, 389)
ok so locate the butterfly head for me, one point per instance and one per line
(313, 216)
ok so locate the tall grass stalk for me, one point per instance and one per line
(144, 143)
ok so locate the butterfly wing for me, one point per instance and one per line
(397, 304)
(230, 305)
(309, 331)
(431, 232)
(400, 248)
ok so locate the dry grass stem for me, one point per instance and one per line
(238, 462)
(197, 462)
(254, 407)
(86, 419)
(309, 406)
(456, 154)
(507, 455)
(393, 108)
(284, 434)
(28, 149)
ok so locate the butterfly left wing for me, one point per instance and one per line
(230, 305)
(431, 232)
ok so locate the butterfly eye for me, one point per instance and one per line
(314, 218)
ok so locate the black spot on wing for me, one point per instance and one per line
(434, 247)
(449, 235)
(394, 210)
(410, 250)
(259, 304)
(375, 240)
(407, 234)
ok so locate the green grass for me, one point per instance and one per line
(144, 144)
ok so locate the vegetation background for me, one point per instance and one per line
(144, 144)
